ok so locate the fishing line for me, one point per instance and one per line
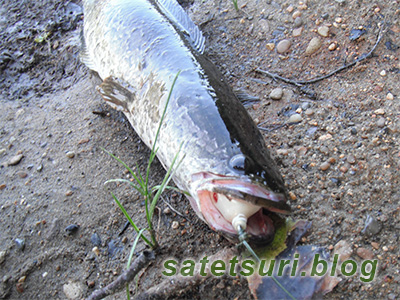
(243, 241)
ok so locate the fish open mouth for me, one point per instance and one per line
(225, 200)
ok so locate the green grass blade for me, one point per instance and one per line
(126, 167)
(130, 219)
(138, 236)
(118, 180)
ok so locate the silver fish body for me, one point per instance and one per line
(137, 47)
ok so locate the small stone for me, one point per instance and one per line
(175, 225)
(296, 14)
(20, 244)
(73, 290)
(292, 196)
(309, 112)
(2, 186)
(270, 46)
(39, 168)
(381, 122)
(382, 73)
(282, 152)
(385, 248)
(3, 254)
(313, 46)
(375, 245)
(22, 174)
(71, 229)
(91, 284)
(372, 226)
(351, 159)
(124, 240)
(323, 31)
(15, 160)
(70, 154)
(379, 111)
(297, 22)
(45, 274)
(167, 211)
(325, 137)
(389, 96)
(95, 239)
(344, 250)
(22, 279)
(325, 166)
(96, 250)
(364, 253)
(343, 169)
(283, 46)
(263, 25)
(297, 31)
(69, 193)
(3, 151)
(276, 94)
(295, 118)
(289, 9)
(332, 47)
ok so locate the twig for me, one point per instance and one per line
(177, 285)
(300, 83)
(139, 263)
(171, 207)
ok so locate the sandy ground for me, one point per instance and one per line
(340, 163)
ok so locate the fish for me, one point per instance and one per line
(138, 47)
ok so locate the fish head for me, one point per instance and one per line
(225, 202)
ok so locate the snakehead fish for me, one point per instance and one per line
(137, 47)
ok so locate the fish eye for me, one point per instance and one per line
(238, 163)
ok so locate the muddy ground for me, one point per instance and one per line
(340, 163)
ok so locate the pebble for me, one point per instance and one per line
(20, 244)
(22, 174)
(364, 253)
(3, 254)
(270, 46)
(167, 211)
(382, 73)
(264, 26)
(15, 160)
(283, 46)
(372, 226)
(351, 159)
(71, 229)
(73, 290)
(297, 31)
(296, 14)
(282, 152)
(2, 186)
(325, 137)
(381, 122)
(276, 94)
(379, 111)
(175, 225)
(39, 168)
(292, 196)
(309, 112)
(3, 151)
(70, 154)
(96, 250)
(95, 239)
(323, 31)
(375, 245)
(69, 193)
(344, 250)
(297, 22)
(389, 96)
(295, 118)
(313, 46)
(325, 166)
(332, 47)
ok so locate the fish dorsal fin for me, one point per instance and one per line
(179, 17)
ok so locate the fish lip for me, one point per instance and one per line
(240, 189)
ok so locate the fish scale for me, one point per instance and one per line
(137, 48)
